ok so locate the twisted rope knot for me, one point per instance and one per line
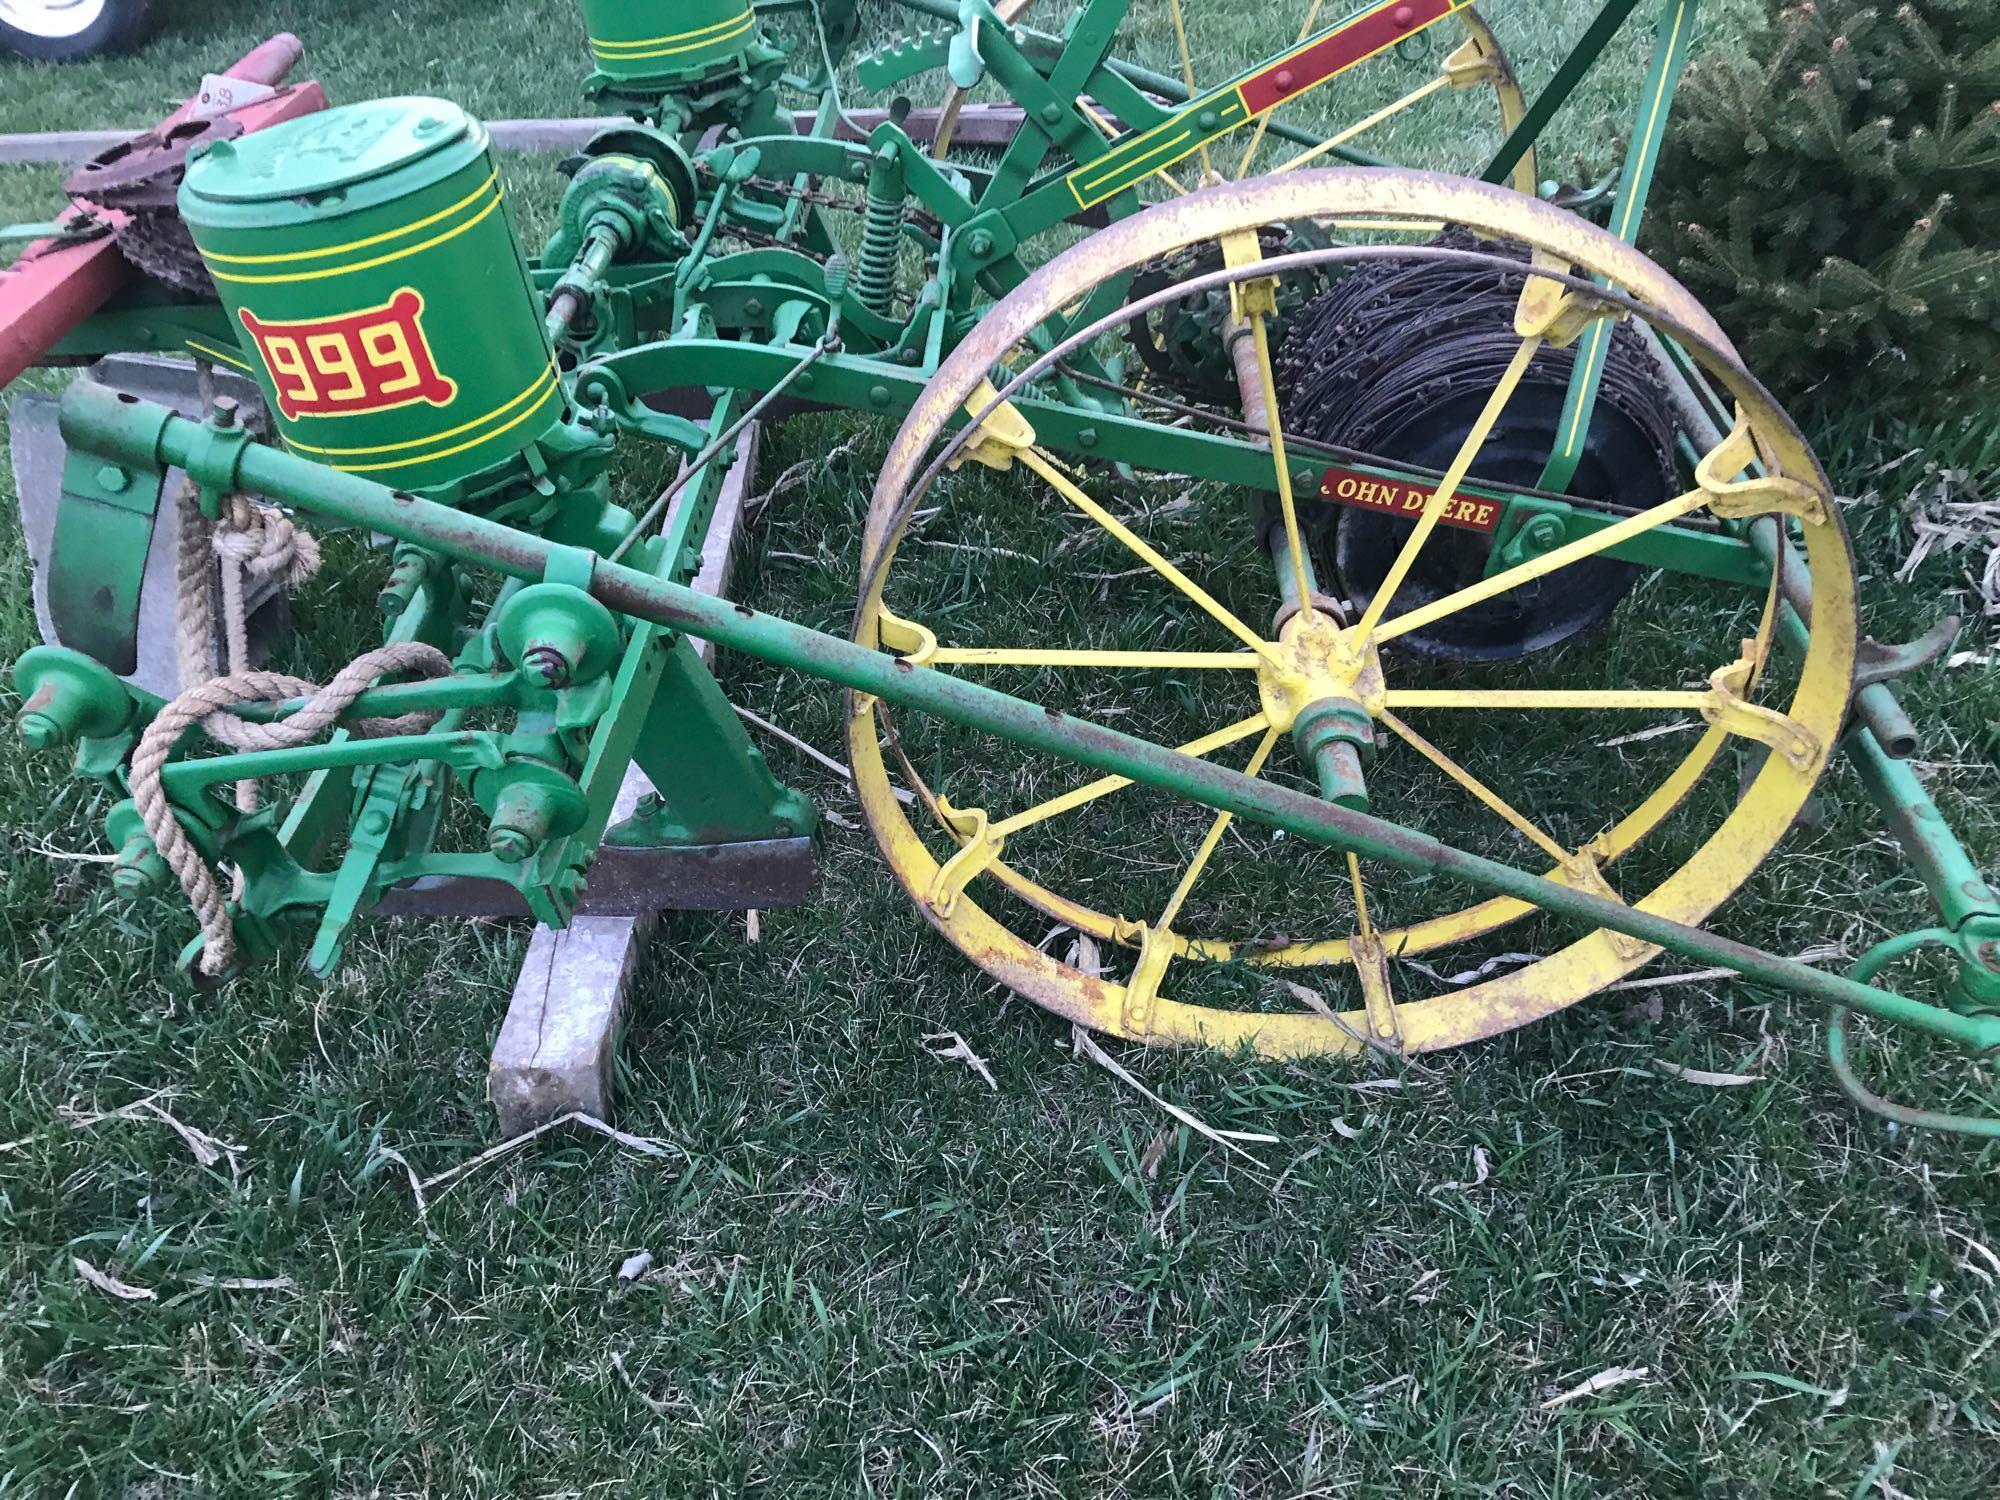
(208, 705)
(262, 540)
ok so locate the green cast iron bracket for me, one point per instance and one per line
(97, 563)
(712, 785)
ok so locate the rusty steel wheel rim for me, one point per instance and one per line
(1690, 893)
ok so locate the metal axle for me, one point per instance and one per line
(141, 434)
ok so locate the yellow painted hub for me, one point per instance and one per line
(1319, 660)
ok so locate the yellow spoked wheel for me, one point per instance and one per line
(1159, 607)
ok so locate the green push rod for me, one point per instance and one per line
(146, 435)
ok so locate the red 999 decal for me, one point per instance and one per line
(372, 360)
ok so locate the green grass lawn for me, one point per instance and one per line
(871, 1273)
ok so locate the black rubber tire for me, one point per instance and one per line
(122, 26)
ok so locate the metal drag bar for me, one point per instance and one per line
(140, 433)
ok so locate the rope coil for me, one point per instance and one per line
(207, 706)
(247, 543)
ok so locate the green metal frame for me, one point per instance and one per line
(141, 435)
(637, 311)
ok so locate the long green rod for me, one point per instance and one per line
(1675, 35)
(143, 434)
(1582, 58)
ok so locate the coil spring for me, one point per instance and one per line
(875, 262)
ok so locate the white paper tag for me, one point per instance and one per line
(219, 95)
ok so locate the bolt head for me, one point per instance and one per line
(1545, 531)
(509, 845)
(224, 411)
(131, 881)
(40, 731)
(549, 664)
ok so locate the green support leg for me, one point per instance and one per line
(1670, 53)
(711, 784)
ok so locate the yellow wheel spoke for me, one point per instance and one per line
(1479, 789)
(1264, 120)
(1208, 744)
(1274, 430)
(1361, 921)
(1040, 462)
(1187, 75)
(1447, 487)
(1214, 837)
(1334, 142)
(1027, 656)
(1537, 567)
(1371, 967)
(1537, 698)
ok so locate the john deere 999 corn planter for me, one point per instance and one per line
(1401, 509)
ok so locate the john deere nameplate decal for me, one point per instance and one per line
(1466, 509)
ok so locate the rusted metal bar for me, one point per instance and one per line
(138, 433)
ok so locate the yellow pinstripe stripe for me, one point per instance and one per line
(747, 22)
(424, 458)
(546, 377)
(1599, 331)
(373, 239)
(678, 36)
(209, 351)
(364, 265)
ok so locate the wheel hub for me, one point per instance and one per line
(1318, 660)
(1323, 684)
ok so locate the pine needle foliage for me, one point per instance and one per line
(1832, 191)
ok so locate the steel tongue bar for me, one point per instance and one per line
(142, 434)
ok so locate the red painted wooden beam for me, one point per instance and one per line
(55, 284)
